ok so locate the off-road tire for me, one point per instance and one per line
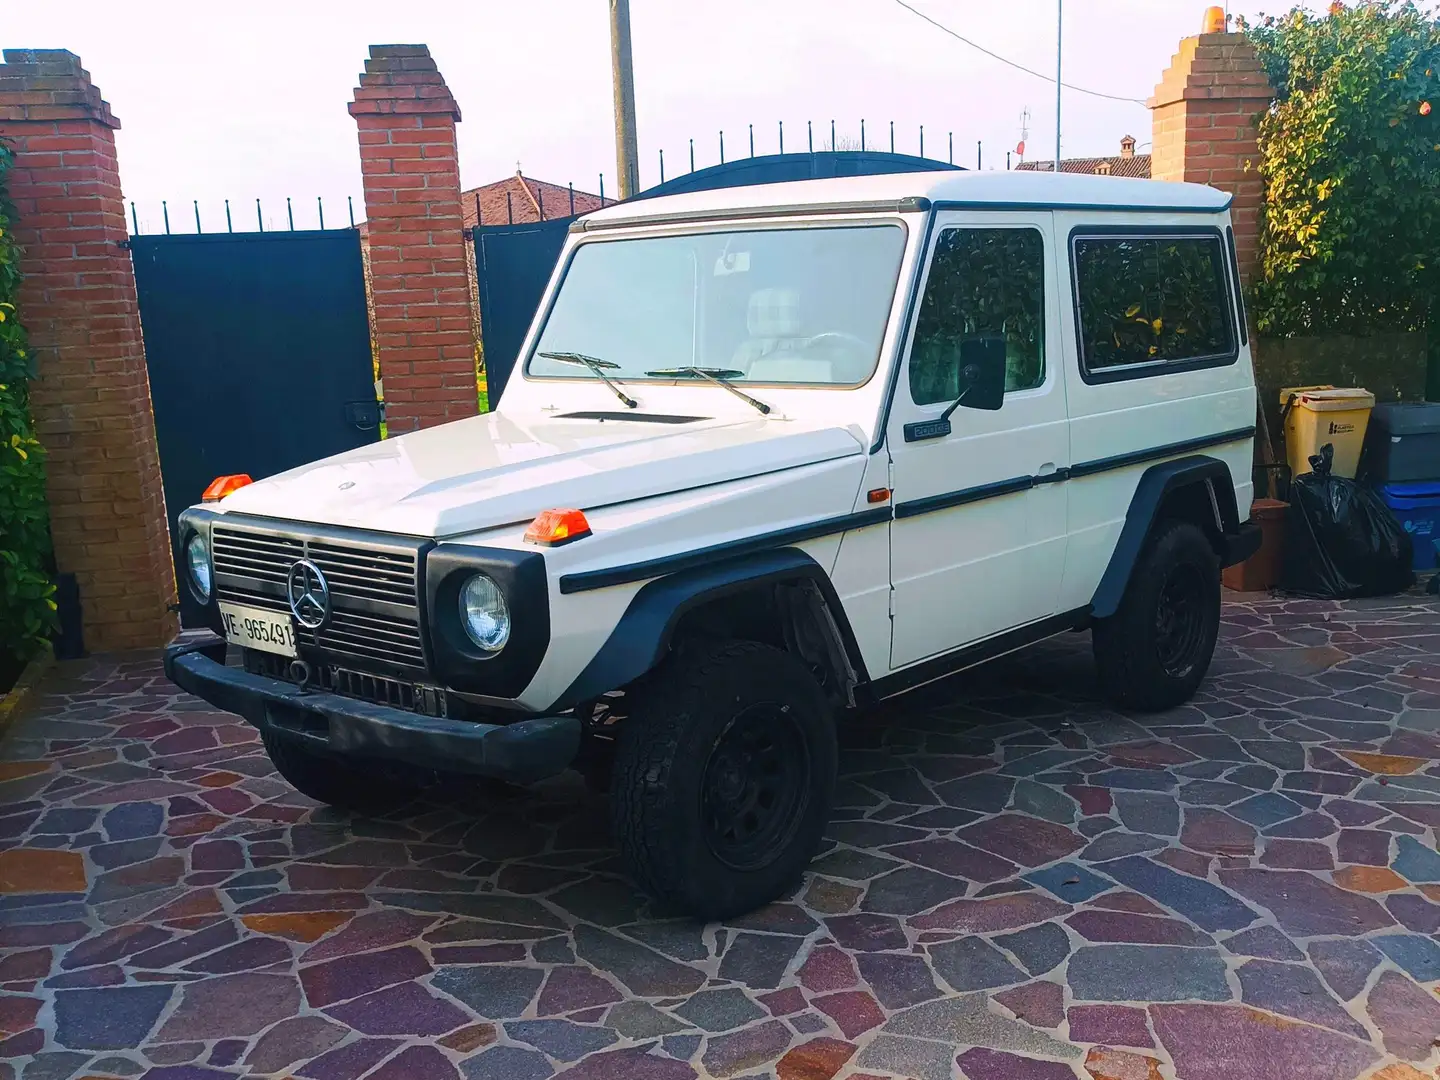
(681, 727)
(359, 787)
(1137, 657)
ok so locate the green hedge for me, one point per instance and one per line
(1350, 156)
(27, 610)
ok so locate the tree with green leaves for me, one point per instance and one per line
(27, 607)
(1350, 156)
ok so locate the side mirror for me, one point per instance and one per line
(982, 372)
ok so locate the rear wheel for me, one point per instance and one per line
(723, 778)
(1156, 648)
(349, 785)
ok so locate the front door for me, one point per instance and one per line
(978, 542)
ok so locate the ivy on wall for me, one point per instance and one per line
(1350, 156)
(27, 607)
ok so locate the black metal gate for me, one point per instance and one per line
(258, 346)
(513, 264)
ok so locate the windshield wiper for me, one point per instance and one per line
(719, 376)
(595, 364)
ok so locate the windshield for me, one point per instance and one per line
(800, 306)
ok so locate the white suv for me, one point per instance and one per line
(768, 454)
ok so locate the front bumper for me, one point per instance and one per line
(523, 751)
(1242, 545)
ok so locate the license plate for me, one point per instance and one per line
(257, 628)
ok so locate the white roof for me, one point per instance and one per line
(1000, 189)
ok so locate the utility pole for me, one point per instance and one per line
(627, 151)
(1059, 55)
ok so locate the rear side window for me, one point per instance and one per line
(1150, 304)
(981, 282)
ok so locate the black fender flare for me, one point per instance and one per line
(641, 638)
(1157, 482)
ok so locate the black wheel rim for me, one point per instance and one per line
(754, 787)
(1180, 620)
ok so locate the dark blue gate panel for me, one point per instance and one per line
(783, 168)
(514, 263)
(258, 347)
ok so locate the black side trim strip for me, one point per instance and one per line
(1138, 457)
(690, 560)
(586, 580)
(931, 503)
(938, 667)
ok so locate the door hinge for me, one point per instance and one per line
(892, 604)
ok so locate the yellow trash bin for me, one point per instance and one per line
(1316, 415)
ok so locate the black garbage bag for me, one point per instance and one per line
(1341, 541)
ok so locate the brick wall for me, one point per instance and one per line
(406, 118)
(1204, 116)
(91, 400)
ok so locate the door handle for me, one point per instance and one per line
(1049, 473)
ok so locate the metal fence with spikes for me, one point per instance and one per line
(230, 219)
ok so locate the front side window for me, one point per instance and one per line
(790, 306)
(983, 282)
(1152, 299)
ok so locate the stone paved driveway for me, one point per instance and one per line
(1019, 883)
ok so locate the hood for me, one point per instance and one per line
(493, 470)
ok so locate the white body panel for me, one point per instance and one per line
(920, 585)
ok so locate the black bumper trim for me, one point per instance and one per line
(523, 751)
(1240, 546)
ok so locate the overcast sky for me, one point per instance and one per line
(246, 101)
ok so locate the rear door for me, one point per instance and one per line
(1159, 363)
(978, 541)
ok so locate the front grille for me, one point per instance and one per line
(397, 693)
(374, 622)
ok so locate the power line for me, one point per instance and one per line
(1012, 63)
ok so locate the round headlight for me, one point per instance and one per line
(199, 561)
(484, 613)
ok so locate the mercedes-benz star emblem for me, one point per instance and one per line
(309, 594)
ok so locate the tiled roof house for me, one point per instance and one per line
(521, 198)
(1128, 163)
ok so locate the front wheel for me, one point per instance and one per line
(723, 778)
(1153, 652)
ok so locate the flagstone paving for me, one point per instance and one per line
(1018, 882)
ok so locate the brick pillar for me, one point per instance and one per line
(91, 397)
(420, 288)
(1205, 114)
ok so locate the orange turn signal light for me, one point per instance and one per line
(555, 527)
(224, 485)
(877, 495)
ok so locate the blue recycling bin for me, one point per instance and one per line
(1417, 507)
